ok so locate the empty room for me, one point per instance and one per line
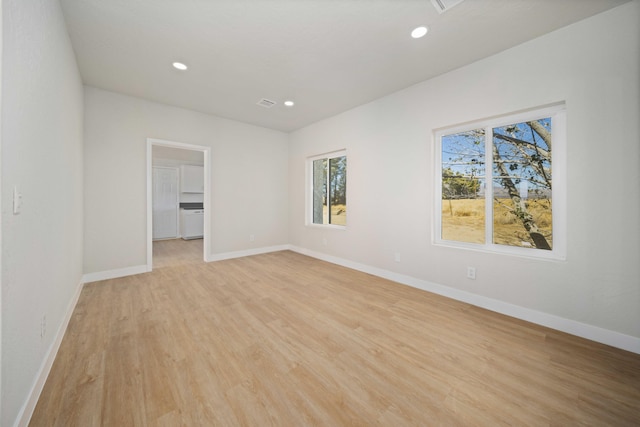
(319, 212)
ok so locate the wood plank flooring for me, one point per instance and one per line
(177, 252)
(281, 339)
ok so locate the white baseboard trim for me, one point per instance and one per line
(24, 416)
(138, 269)
(583, 330)
(594, 333)
(114, 274)
(247, 252)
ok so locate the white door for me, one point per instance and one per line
(165, 203)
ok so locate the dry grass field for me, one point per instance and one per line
(463, 220)
(338, 214)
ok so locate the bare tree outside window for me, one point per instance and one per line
(497, 185)
(329, 200)
(522, 192)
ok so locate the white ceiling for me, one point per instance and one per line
(326, 55)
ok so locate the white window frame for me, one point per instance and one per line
(309, 188)
(557, 113)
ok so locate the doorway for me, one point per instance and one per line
(175, 246)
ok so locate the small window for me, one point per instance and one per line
(500, 184)
(328, 189)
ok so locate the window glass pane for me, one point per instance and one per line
(463, 173)
(320, 215)
(338, 190)
(522, 199)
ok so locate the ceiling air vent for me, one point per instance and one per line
(444, 5)
(266, 103)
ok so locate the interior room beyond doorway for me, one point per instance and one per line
(178, 193)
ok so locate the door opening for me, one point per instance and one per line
(169, 201)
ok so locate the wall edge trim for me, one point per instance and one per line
(114, 274)
(247, 252)
(24, 416)
(573, 327)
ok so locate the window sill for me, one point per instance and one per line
(327, 226)
(532, 254)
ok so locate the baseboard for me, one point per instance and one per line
(138, 269)
(114, 274)
(583, 330)
(594, 333)
(247, 252)
(24, 416)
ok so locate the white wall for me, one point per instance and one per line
(593, 66)
(249, 178)
(1, 59)
(42, 155)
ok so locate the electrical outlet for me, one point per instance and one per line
(471, 273)
(397, 256)
(324, 241)
(252, 238)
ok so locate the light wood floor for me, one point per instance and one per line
(282, 339)
(177, 252)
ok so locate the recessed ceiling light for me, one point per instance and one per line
(289, 103)
(179, 66)
(419, 32)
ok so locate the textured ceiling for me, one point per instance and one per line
(327, 55)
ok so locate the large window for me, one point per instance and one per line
(501, 184)
(328, 178)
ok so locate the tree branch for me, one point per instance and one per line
(540, 130)
(541, 151)
(520, 209)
